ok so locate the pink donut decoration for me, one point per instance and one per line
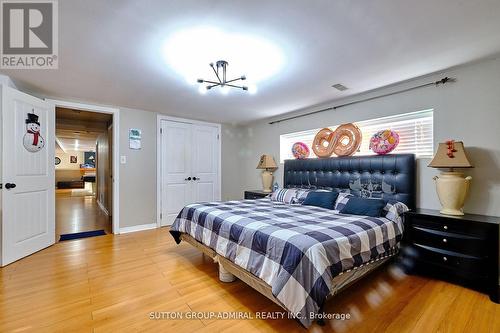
(300, 150)
(383, 142)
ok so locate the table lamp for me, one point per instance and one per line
(451, 185)
(268, 164)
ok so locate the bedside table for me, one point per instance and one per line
(255, 194)
(460, 249)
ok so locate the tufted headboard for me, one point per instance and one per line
(380, 176)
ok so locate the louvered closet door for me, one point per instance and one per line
(176, 190)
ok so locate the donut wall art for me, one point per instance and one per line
(343, 141)
(383, 142)
(300, 150)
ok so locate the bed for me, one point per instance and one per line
(299, 256)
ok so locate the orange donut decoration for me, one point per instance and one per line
(344, 141)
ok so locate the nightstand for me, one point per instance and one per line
(459, 249)
(255, 194)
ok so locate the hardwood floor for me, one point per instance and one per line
(77, 213)
(113, 283)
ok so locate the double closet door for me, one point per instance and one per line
(190, 170)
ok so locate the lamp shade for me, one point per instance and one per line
(450, 154)
(267, 162)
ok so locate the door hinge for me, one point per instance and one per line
(161, 216)
(161, 130)
(217, 136)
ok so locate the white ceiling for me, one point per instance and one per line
(110, 51)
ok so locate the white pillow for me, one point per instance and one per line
(342, 200)
(290, 195)
(394, 210)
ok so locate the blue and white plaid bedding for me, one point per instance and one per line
(295, 249)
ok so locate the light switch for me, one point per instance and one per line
(123, 159)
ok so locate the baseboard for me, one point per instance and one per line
(139, 227)
(102, 207)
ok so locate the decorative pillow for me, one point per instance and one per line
(364, 206)
(321, 199)
(290, 195)
(342, 199)
(394, 210)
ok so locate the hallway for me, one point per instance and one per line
(77, 213)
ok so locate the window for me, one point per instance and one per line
(414, 129)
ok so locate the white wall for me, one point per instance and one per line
(65, 159)
(138, 175)
(467, 110)
(232, 154)
(67, 171)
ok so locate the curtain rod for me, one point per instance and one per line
(436, 83)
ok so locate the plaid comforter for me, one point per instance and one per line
(295, 249)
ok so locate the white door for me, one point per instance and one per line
(189, 166)
(28, 221)
(205, 163)
(175, 169)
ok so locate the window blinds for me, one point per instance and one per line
(415, 131)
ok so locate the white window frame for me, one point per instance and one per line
(369, 127)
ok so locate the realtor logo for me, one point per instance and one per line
(29, 34)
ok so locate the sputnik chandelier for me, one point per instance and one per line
(220, 70)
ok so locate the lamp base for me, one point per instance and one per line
(267, 181)
(452, 190)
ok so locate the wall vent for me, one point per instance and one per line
(339, 87)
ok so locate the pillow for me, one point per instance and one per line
(321, 199)
(342, 199)
(290, 195)
(394, 210)
(364, 206)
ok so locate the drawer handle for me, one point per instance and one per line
(445, 259)
(445, 227)
(445, 240)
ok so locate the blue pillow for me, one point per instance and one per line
(324, 199)
(364, 206)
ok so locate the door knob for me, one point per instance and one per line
(194, 178)
(8, 186)
(188, 178)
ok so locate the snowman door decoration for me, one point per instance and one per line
(32, 140)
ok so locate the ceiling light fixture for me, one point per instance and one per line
(220, 70)
(187, 52)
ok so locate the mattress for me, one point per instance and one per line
(296, 250)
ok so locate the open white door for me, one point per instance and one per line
(28, 198)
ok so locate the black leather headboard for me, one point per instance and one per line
(381, 176)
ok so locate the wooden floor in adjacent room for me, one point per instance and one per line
(77, 211)
(112, 284)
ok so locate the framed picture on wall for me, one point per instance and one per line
(134, 138)
(73, 159)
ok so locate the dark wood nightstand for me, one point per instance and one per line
(460, 249)
(255, 194)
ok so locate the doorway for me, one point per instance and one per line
(83, 175)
